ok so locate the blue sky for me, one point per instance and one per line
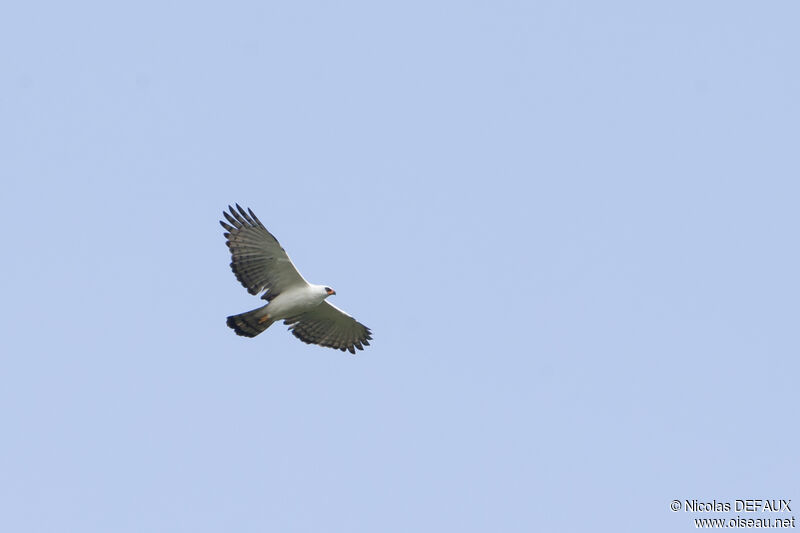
(572, 228)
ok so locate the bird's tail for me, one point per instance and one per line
(251, 323)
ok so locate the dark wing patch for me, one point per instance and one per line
(328, 326)
(257, 259)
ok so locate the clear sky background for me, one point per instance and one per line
(571, 226)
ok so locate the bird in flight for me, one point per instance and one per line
(261, 265)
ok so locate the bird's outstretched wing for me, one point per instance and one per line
(327, 325)
(257, 259)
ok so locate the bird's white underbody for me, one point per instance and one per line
(295, 302)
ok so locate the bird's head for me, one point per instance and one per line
(329, 291)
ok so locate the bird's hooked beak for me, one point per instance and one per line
(331, 292)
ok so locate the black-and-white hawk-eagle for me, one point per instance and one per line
(261, 265)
